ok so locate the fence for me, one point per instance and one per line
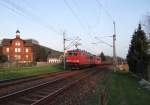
(15, 64)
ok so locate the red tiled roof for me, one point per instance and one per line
(7, 42)
(28, 43)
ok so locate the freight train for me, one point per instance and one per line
(76, 59)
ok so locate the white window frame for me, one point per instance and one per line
(19, 49)
(7, 49)
(27, 50)
(19, 57)
(27, 56)
(16, 50)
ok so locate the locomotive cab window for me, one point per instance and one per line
(72, 54)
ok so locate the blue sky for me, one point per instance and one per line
(45, 21)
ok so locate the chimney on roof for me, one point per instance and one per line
(17, 34)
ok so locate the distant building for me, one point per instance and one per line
(34, 41)
(0, 47)
(54, 60)
(17, 49)
(24, 51)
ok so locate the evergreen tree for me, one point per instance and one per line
(103, 58)
(137, 56)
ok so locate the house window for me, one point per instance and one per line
(17, 50)
(27, 50)
(17, 43)
(7, 49)
(17, 57)
(27, 56)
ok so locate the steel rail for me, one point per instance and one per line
(60, 90)
(5, 98)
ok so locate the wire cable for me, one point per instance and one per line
(100, 5)
(75, 15)
(28, 15)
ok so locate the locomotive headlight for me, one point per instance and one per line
(77, 61)
(72, 61)
(68, 60)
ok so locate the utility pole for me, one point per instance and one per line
(114, 48)
(64, 42)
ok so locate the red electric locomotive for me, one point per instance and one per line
(80, 58)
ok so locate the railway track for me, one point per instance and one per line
(9, 86)
(10, 82)
(41, 92)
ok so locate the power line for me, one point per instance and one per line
(12, 9)
(75, 41)
(101, 41)
(98, 20)
(100, 5)
(75, 15)
(26, 14)
(76, 4)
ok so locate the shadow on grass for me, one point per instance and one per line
(125, 90)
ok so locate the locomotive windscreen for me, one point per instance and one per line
(72, 54)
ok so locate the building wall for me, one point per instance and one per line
(54, 60)
(0, 49)
(17, 51)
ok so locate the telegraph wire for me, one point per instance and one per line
(106, 11)
(76, 4)
(77, 9)
(75, 15)
(98, 20)
(12, 9)
(26, 14)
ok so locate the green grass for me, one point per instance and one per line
(125, 90)
(11, 73)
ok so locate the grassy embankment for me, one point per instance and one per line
(11, 73)
(125, 90)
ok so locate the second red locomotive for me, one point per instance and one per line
(80, 58)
